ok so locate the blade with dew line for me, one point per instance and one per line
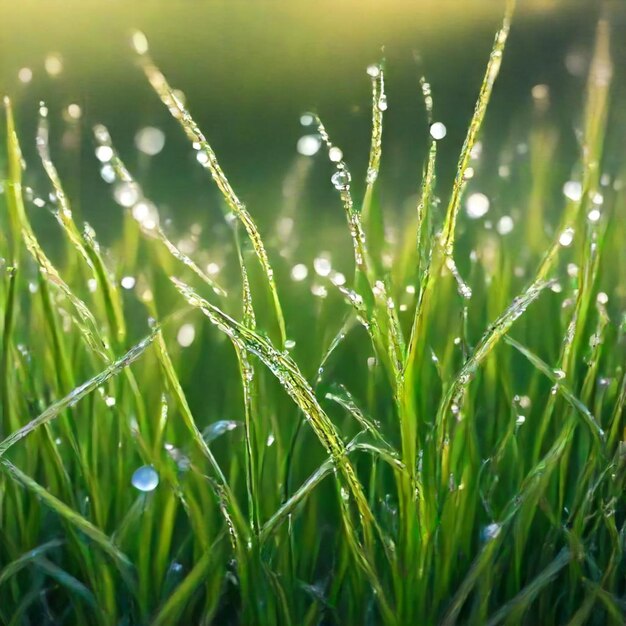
(210, 162)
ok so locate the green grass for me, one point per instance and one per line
(424, 444)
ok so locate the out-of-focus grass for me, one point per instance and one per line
(428, 440)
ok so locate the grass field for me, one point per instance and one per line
(424, 427)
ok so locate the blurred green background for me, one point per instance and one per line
(249, 69)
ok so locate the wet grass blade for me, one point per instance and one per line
(53, 411)
(210, 162)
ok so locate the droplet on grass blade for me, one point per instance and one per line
(145, 478)
(335, 154)
(104, 153)
(491, 531)
(217, 429)
(573, 190)
(128, 282)
(341, 180)
(307, 119)
(139, 42)
(438, 130)
(566, 237)
(126, 195)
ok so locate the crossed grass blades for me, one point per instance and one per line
(477, 480)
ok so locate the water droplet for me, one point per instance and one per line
(438, 130)
(299, 272)
(594, 215)
(150, 140)
(128, 282)
(559, 374)
(491, 531)
(307, 119)
(477, 205)
(338, 279)
(25, 75)
(202, 157)
(373, 70)
(322, 266)
(566, 237)
(212, 269)
(382, 102)
(504, 171)
(308, 145)
(335, 154)
(53, 64)
(270, 440)
(602, 298)
(110, 401)
(520, 420)
(505, 225)
(341, 180)
(372, 175)
(139, 42)
(573, 190)
(107, 173)
(145, 478)
(217, 429)
(145, 212)
(126, 195)
(104, 153)
(186, 335)
(319, 290)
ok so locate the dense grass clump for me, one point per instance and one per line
(420, 443)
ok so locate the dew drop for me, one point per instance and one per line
(53, 64)
(139, 42)
(335, 154)
(477, 205)
(186, 335)
(341, 180)
(128, 282)
(150, 140)
(573, 190)
(373, 70)
(145, 478)
(126, 195)
(566, 237)
(372, 175)
(438, 130)
(217, 429)
(25, 75)
(307, 119)
(299, 272)
(491, 531)
(308, 145)
(104, 153)
(505, 225)
(594, 215)
(322, 266)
